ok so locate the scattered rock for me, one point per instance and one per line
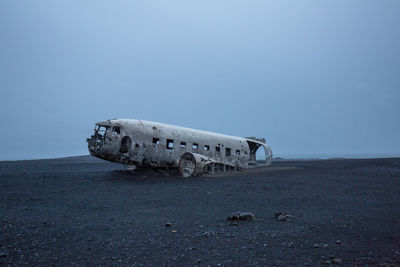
(283, 216)
(290, 244)
(277, 213)
(168, 224)
(338, 242)
(234, 216)
(241, 216)
(316, 245)
(2, 254)
(246, 216)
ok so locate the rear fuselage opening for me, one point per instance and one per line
(260, 153)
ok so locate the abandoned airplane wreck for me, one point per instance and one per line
(144, 143)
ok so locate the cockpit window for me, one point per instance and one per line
(116, 130)
(101, 129)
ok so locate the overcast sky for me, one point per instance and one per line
(313, 77)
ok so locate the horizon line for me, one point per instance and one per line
(278, 156)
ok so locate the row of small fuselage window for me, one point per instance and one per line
(195, 146)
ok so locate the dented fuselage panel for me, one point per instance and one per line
(136, 143)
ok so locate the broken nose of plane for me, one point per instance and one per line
(96, 141)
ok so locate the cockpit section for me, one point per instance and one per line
(98, 139)
(108, 142)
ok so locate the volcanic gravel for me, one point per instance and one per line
(85, 211)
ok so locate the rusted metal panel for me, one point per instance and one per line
(135, 143)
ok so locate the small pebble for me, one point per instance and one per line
(281, 218)
(234, 216)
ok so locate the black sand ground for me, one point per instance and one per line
(83, 211)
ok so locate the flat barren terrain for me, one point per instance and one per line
(84, 211)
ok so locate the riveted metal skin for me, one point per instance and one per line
(136, 143)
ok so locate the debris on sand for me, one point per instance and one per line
(246, 216)
(234, 216)
(241, 216)
(282, 216)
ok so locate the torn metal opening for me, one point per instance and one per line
(259, 153)
(125, 144)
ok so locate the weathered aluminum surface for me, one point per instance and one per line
(136, 142)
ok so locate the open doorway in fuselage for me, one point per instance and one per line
(258, 154)
(126, 143)
(261, 157)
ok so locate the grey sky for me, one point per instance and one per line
(313, 77)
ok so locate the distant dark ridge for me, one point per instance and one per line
(336, 156)
(333, 158)
(82, 158)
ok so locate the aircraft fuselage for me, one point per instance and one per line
(136, 142)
